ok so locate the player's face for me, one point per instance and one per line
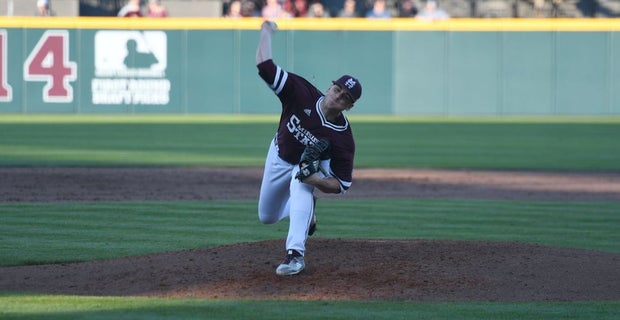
(339, 98)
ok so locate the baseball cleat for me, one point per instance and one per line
(293, 264)
(312, 227)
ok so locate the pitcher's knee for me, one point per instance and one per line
(267, 219)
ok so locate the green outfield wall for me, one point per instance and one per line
(407, 67)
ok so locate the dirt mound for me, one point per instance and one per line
(342, 269)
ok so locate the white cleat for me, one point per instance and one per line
(293, 264)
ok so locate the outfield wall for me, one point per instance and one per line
(186, 66)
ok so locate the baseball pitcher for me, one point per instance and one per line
(312, 149)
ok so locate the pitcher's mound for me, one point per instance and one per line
(342, 269)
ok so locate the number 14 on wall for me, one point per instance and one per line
(47, 62)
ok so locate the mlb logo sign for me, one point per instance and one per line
(131, 53)
(130, 68)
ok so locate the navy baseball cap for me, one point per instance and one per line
(352, 86)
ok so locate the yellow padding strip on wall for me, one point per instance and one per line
(358, 24)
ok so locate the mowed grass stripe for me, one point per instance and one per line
(39, 233)
(477, 143)
(58, 232)
(553, 146)
(134, 143)
(578, 225)
(74, 307)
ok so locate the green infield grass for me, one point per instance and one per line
(68, 307)
(67, 232)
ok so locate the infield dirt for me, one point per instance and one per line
(338, 269)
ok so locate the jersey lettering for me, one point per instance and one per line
(292, 124)
(49, 62)
(302, 135)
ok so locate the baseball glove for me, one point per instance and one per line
(311, 159)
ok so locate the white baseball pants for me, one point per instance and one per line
(281, 196)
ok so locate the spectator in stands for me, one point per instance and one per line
(251, 8)
(348, 10)
(406, 9)
(556, 10)
(156, 9)
(43, 9)
(234, 10)
(379, 10)
(273, 10)
(300, 8)
(539, 8)
(432, 12)
(317, 10)
(287, 5)
(131, 9)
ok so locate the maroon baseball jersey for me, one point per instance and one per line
(302, 122)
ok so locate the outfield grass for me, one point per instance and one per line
(477, 143)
